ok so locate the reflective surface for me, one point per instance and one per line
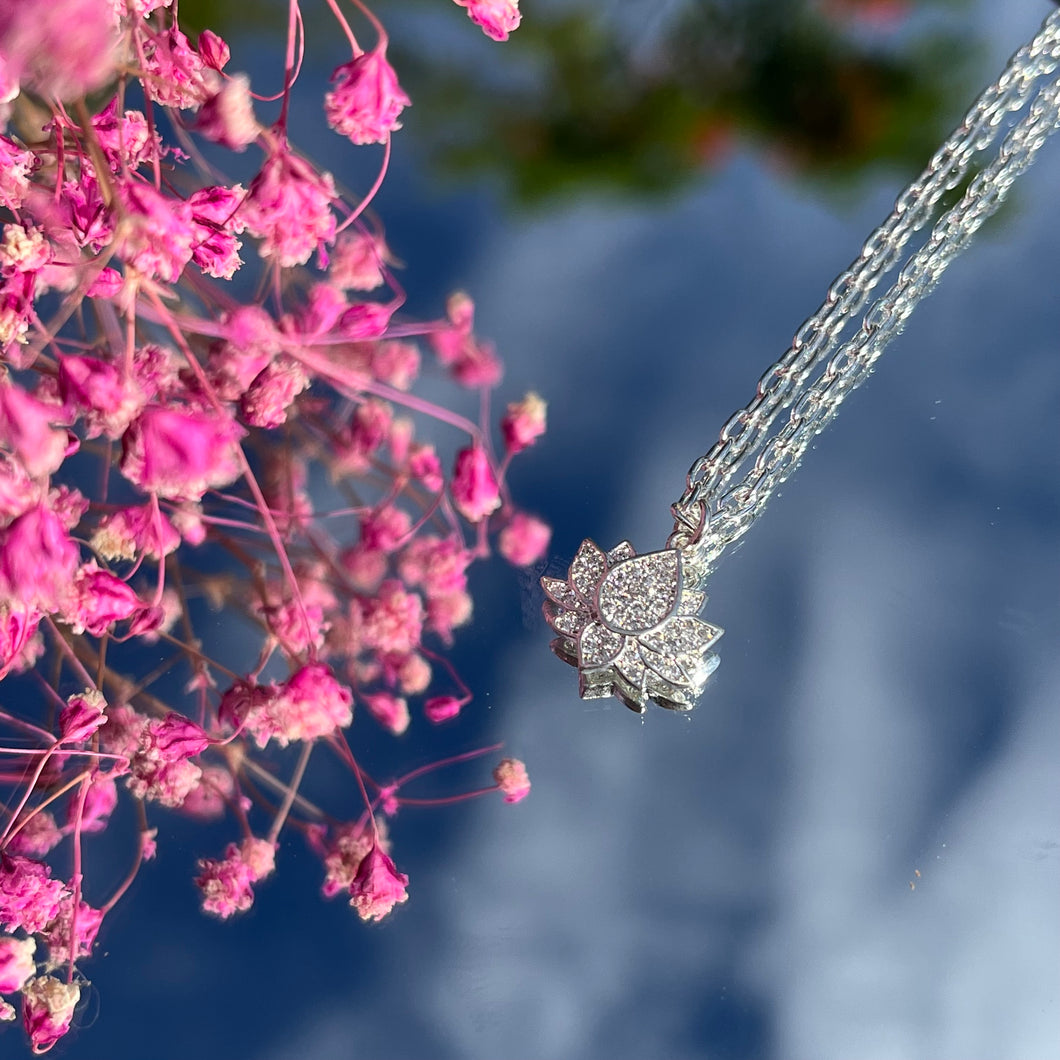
(851, 848)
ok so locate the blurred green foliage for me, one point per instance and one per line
(578, 101)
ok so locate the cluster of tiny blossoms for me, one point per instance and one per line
(172, 446)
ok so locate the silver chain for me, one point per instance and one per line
(822, 367)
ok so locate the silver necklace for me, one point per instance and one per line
(629, 622)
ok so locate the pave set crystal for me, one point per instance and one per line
(629, 625)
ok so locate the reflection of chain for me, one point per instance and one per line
(821, 368)
(629, 622)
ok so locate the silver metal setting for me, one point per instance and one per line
(628, 622)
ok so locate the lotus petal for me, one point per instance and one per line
(588, 568)
(682, 635)
(599, 646)
(621, 552)
(560, 592)
(566, 623)
(641, 592)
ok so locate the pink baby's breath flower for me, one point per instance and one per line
(160, 767)
(42, 52)
(496, 17)
(425, 466)
(47, 1008)
(98, 599)
(324, 305)
(524, 540)
(413, 674)
(82, 716)
(366, 100)
(156, 371)
(357, 261)
(446, 612)
(158, 236)
(378, 886)
(215, 221)
(101, 392)
(523, 423)
(512, 780)
(441, 708)
(24, 249)
(227, 115)
(100, 800)
(173, 71)
(385, 529)
(38, 835)
(399, 441)
(473, 363)
(314, 704)
(392, 712)
(474, 486)
(259, 856)
(107, 285)
(29, 897)
(16, 963)
(393, 619)
(58, 932)
(124, 730)
(137, 8)
(225, 884)
(16, 166)
(68, 504)
(268, 399)
(132, 532)
(289, 208)
(37, 559)
(438, 564)
(365, 566)
(397, 364)
(126, 140)
(20, 643)
(365, 320)
(368, 430)
(177, 737)
(89, 219)
(207, 800)
(255, 709)
(344, 853)
(181, 453)
(26, 429)
(213, 50)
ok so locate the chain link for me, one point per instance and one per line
(821, 367)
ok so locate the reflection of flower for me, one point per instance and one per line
(628, 623)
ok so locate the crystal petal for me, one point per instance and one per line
(598, 646)
(622, 551)
(567, 623)
(629, 666)
(641, 592)
(589, 690)
(559, 592)
(666, 695)
(691, 602)
(589, 566)
(634, 698)
(682, 635)
(668, 667)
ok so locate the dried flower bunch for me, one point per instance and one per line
(172, 446)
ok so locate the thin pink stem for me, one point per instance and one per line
(292, 792)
